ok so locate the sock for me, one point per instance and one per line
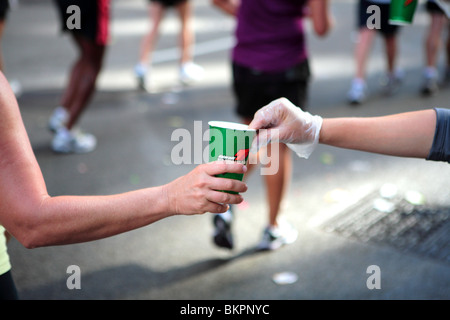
(430, 72)
(140, 69)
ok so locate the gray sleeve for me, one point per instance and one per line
(440, 150)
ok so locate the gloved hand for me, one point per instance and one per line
(284, 122)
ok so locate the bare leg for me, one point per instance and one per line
(391, 53)
(357, 94)
(277, 183)
(186, 34)
(432, 45)
(362, 51)
(156, 13)
(189, 71)
(433, 39)
(82, 79)
(447, 57)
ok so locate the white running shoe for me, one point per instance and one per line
(58, 119)
(73, 141)
(140, 71)
(430, 84)
(276, 237)
(191, 72)
(357, 92)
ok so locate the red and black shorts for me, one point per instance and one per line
(94, 18)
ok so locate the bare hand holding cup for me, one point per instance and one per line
(198, 191)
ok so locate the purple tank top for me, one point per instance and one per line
(270, 34)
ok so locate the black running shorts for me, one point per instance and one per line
(254, 89)
(169, 3)
(386, 29)
(4, 7)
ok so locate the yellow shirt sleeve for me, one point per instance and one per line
(5, 265)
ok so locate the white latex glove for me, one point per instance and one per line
(284, 122)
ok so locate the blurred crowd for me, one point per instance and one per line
(92, 41)
(269, 60)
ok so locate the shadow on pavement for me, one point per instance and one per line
(132, 279)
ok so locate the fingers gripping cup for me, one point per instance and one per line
(401, 12)
(230, 141)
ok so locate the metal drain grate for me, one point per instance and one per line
(422, 229)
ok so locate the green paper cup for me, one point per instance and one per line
(230, 141)
(401, 12)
